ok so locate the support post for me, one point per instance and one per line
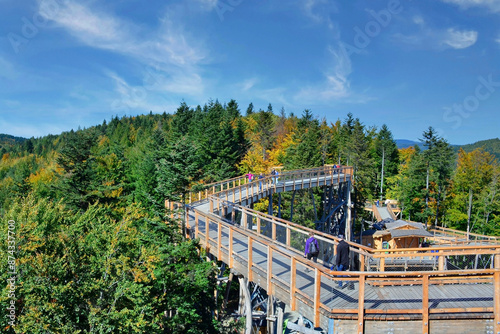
(349, 213)
(247, 303)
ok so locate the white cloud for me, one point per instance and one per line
(7, 70)
(493, 5)
(459, 39)
(438, 39)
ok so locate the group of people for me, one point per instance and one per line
(274, 174)
(311, 252)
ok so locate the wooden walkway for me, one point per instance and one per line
(422, 300)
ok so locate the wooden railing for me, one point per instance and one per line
(236, 184)
(211, 237)
(293, 235)
(460, 236)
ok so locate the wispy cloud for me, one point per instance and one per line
(319, 11)
(336, 84)
(493, 5)
(169, 49)
(437, 39)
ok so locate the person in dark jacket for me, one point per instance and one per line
(342, 260)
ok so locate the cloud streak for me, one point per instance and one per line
(493, 5)
(168, 49)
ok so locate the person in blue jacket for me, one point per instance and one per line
(311, 251)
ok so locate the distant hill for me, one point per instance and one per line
(491, 145)
(404, 143)
(8, 140)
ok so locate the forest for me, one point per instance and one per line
(94, 250)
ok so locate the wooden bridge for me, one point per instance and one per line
(420, 290)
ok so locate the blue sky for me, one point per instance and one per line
(409, 64)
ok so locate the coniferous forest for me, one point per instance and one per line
(86, 229)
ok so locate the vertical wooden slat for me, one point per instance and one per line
(361, 304)
(196, 224)
(273, 233)
(317, 295)
(219, 241)
(361, 262)
(496, 281)
(250, 259)
(425, 304)
(207, 234)
(230, 260)
(288, 234)
(293, 283)
(258, 225)
(269, 271)
(187, 223)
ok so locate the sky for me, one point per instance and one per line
(67, 64)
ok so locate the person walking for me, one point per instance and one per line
(261, 177)
(342, 260)
(312, 248)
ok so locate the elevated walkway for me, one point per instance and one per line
(269, 251)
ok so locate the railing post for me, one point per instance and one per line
(269, 271)
(317, 295)
(273, 229)
(219, 241)
(361, 304)
(441, 262)
(425, 304)
(381, 266)
(230, 253)
(207, 234)
(293, 280)
(196, 224)
(496, 281)
(361, 262)
(288, 235)
(186, 215)
(250, 259)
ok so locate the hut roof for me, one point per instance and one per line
(410, 233)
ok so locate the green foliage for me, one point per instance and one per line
(91, 273)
